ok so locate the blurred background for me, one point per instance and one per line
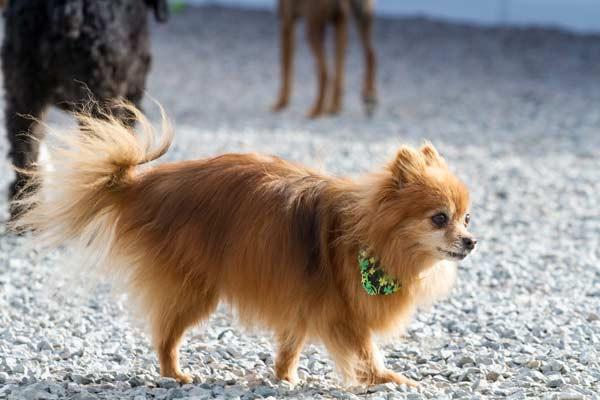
(575, 14)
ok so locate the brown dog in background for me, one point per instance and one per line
(318, 14)
(276, 241)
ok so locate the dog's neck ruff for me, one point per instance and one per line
(373, 278)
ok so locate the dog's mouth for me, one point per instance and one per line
(453, 255)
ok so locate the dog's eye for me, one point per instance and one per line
(467, 219)
(440, 220)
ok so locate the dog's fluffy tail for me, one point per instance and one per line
(78, 199)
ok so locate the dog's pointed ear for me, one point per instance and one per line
(161, 9)
(432, 157)
(408, 165)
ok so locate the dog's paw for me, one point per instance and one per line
(314, 113)
(401, 379)
(290, 377)
(334, 109)
(388, 376)
(279, 106)
(370, 105)
(183, 378)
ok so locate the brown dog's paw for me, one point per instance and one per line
(181, 377)
(401, 379)
(334, 109)
(314, 113)
(287, 376)
(388, 376)
(185, 378)
(279, 106)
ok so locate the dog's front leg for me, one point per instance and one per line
(357, 355)
(371, 370)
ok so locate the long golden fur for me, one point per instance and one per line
(275, 240)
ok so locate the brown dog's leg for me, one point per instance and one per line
(371, 370)
(341, 39)
(364, 19)
(290, 347)
(287, 57)
(169, 326)
(315, 31)
(357, 355)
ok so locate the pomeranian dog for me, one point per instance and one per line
(306, 255)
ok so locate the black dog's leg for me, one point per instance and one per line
(24, 134)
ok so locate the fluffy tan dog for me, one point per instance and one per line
(309, 256)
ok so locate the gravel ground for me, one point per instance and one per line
(516, 114)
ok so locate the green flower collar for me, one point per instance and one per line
(374, 279)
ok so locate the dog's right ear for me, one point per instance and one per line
(161, 9)
(432, 157)
(408, 165)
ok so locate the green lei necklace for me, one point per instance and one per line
(374, 279)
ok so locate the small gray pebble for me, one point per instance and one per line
(593, 317)
(265, 391)
(200, 393)
(464, 360)
(570, 396)
(167, 383)
(555, 382)
(135, 381)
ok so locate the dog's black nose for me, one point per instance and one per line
(469, 243)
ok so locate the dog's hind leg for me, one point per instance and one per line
(363, 11)
(341, 39)
(171, 319)
(315, 30)
(136, 80)
(288, 22)
(24, 135)
(290, 347)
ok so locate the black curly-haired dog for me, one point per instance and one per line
(62, 52)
